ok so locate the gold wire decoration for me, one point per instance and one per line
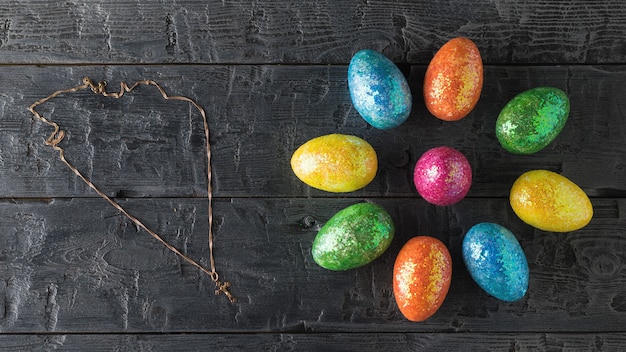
(100, 89)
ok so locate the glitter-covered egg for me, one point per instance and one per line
(353, 237)
(550, 202)
(378, 90)
(496, 261)
(442, 176)
(421, 277)
(532, 120)
(454, 80)
(335, 163)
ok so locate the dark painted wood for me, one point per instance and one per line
(76, 275)
(414, 342)
(144, 146)
(196, 31)
(77, 265)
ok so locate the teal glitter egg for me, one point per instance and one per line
(496, 261)
(378, 90)
(532, 120)
(353, 237)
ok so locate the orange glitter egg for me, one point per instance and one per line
(421, 277)
(335, 163)
(550, 202)
(454, 80)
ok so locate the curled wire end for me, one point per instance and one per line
(87, 81)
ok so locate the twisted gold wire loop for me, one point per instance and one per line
(58, 135)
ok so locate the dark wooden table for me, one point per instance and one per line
(77, 275)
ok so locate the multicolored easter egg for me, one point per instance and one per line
(550, 202)
(353, 237)
(378, 90)
(335, 163)
(454, 80)
(421, 277)
(532, 120)
(496, 261)
(442, 176)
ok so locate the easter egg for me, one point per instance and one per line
(496, 261)
(421, 277)
(454, 80)
(335, 163)
(550, 202)
(353, 237)
(532, 120)
(442, 176)
(378, 90)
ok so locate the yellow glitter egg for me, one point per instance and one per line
(550, 202)
(335, 163)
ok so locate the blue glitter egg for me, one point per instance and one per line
(378, 90)
(496, 261)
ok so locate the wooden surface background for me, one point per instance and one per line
(76, 275)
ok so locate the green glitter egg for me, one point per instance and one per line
(353, 237)
(532, 120)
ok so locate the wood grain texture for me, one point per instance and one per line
(143, 146)
(76, 275)
(413, 342)
(78, 266)
(319, 32)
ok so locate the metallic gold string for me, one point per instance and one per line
(100, 89)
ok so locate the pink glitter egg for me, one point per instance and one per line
(442, 176)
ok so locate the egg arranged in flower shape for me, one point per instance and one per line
(422, 274)
(532, 120)
(353, 237)
(454, 80)
(378, 89)
(335, 163)
(496, 261)
(550, 202)
(442, 176)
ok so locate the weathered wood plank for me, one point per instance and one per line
(194, 31)
(414, 342)
(144, 146)
(77, 266)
